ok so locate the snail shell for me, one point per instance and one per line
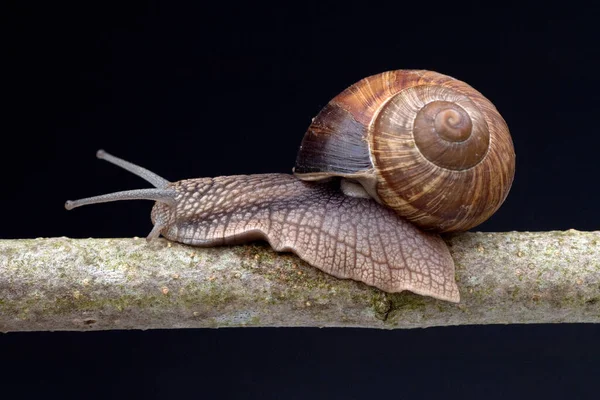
(424, 144)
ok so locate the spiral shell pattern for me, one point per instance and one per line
(441, 153)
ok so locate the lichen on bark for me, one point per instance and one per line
(94, 284)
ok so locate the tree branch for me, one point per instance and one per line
(94, 284)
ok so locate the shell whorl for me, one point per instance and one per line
(446, 127)
(440, 153)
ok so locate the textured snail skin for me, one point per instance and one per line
(346, 237)
(425, 144)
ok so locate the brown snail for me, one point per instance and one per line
(423, 144)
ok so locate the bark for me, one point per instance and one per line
(95, 284)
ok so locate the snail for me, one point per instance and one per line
(388, 164)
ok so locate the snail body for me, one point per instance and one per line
(397, 181)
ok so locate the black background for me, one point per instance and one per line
(199, 90)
